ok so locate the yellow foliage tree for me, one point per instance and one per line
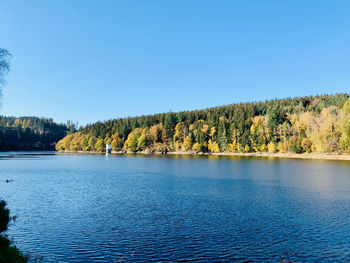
(263, 148)
(212, 131)
(157, 134)
(259, 133)
(99, 146)
(60, 145)
(197, 147)
(234, 146)
(180, 132)
(282, 147)
(91, 144)
(177, 146)
(187, 145)
(85, 143)
(205, 128)
(117, 142)
(75, 143)
(216, 148)
(271, 147)
(210, 145)
(131, 142)
(142, 141)
(324, 135)
(306, 144)
(66, 142)
(107, 140)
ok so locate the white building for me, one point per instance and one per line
(108, 148)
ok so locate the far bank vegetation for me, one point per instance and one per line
(315, 124)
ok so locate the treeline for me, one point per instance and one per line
(31, 133)
(305, 124)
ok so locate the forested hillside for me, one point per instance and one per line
(305, 124)
(31, 133)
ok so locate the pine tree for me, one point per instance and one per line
(222, 138)
(169, 123)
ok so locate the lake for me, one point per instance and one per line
(134, 208)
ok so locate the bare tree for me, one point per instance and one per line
(4, 66)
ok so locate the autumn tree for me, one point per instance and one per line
(85, 143)
(197, 147)
(187, 144)
(142, 140)
(324, 133)
(181, 132)
(117, 142)
(271, 147)
(131, 143)
(99, 145)
(91, 144)
(157, 134)
(259, 133)
(215, 148)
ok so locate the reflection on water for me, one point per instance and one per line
(135, 208)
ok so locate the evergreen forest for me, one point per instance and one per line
(31, 133)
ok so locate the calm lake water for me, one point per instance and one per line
(97, 208)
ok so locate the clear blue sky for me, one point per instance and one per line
(97, 60)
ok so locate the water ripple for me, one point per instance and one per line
(129, 209)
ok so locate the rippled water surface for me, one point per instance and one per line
(96, 208)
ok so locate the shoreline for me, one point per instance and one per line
(310, 156)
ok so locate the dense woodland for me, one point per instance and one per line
(31, 133)
(299, 125)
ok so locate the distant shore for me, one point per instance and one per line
(314, 156)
